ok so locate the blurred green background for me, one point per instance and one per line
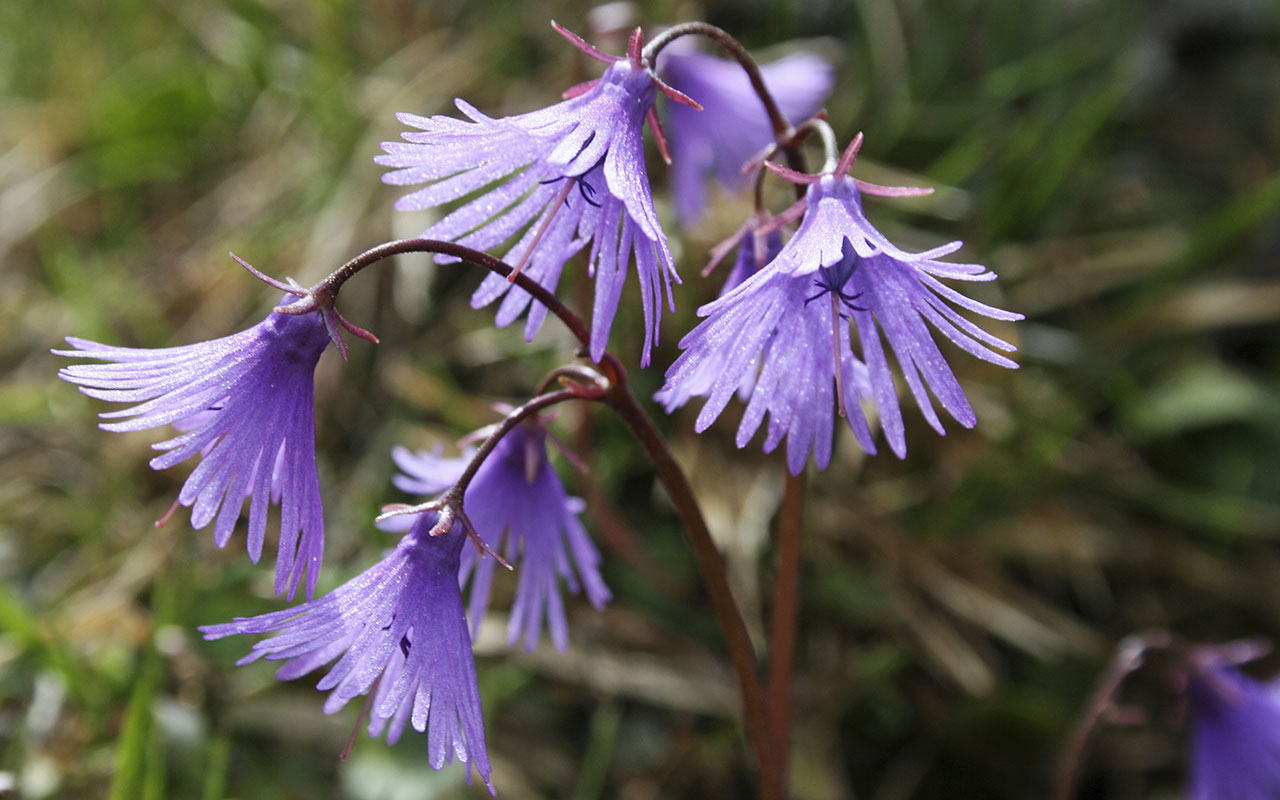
(1115, 162)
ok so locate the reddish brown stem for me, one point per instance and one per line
(450, 504)
(620, 398)
(325, 293)
(786, 604)
(755, 708)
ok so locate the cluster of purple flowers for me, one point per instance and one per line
(541, 187)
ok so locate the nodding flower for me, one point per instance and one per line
(791, 322)
(554, 181)
(402, 635)
(519, 507)
(245, 405)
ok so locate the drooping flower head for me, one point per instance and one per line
(401, 632)
(1235, 733)
(752, 256)
(792, 320)
(520, 508)
(245, 404)
(557, 179)
(733, 126)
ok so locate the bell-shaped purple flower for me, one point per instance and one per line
(1235, 733)
(245, 404)
(752, 256)
(520, 508)
(733, 126)
(401, 632)
(791, 320)
(565, 176)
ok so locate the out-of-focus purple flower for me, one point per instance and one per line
(575, 170)
(751, 258)
(1235, 734)
(401, 632)
(517, 497)
(790, 318)
(732, 127)
(245, 404)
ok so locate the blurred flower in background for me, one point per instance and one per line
(732, 126)
(1235, 732)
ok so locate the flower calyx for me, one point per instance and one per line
(322, 298)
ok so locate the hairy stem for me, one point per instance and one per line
(755, 708)
(783, 621)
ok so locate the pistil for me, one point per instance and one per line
(542, 230)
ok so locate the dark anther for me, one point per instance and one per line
(587, 191)
(833, 279)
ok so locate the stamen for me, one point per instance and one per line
(832, 279)
(587, 191)
(546, 223)
(849, 154)
(580, 43)
(659, 135)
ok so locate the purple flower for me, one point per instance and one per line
(566, 175)
(1235, 734)
(401, 632)
(733, 126)
(245, 404)
(789, 320)
(516, 496)
(699, 384)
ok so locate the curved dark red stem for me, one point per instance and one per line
(622, 400)
(755, 707)
(325, 292)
